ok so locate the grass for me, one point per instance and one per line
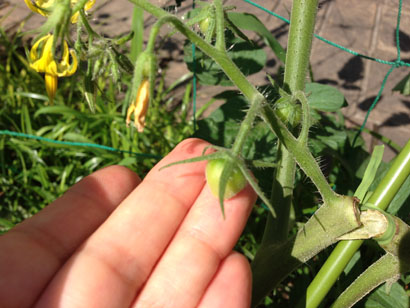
(33, 173)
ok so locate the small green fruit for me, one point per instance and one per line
(236, 181)
(289, 113)
(204, 25)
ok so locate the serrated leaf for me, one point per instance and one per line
(324, 98)
(403, 86)
(250, 22)
(246, 56)
(380, 298)
(332, 137)
(370, 172)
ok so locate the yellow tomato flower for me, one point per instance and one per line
(44, 7)
(140, 106)
(42, 60)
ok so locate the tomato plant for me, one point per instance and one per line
(235, 183)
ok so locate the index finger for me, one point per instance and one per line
(117, 259)
(33, 251)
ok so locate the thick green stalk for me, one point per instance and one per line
(302, 23)
(380, 271)
(297, 60)
(220, 25)
(277, 229)
(388, 268)
(273, 249)
(276, 261)
(137, 27)
(344, 251)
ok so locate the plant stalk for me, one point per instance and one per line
(388, 268)
(303, 17)
(220, 25)
(344, 251)
(379, 272)
(220, 56)
(230, 69)
(297, 60)
(275, 261)
(137, 27)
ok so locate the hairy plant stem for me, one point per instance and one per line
(344, 251)
(277, 229)
(297, 60)
(302, 155)
(387, 269)
(84, 20)
(384, 269)
(220, 25)
(137, 26)
(275, 261)
(220, 56)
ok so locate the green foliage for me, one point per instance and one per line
(250, 22)
(403, 86)
(34, 173)
(249, 59)
(387, 296)
(90, 108)
(324, 98)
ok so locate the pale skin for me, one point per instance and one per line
(115, 241)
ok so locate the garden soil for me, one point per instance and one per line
(365, 26)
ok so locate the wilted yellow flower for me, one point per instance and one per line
(140, 106)
(44, 7)
(42, 60)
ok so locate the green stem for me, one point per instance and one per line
(277, 229)
(79, 6)
(302, 23)
(386, 268)
(231, 70)
(276, 261)
(344, 251)
(297, 60)
(302, 155)
(137, 27)
(87, 26)
(220, 25)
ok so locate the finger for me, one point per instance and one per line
(119, 256)
(231, 286)
(34, 250)
(204, 239)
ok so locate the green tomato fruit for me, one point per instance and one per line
(204, 25)
(236, 181)
(289, 113)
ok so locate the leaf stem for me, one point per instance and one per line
(297, 60)
(255, 98)
(386, 268)
(220, 57)
(275, 261)
(344, 251)
(220, 25)
(302, 23)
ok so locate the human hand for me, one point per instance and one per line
(114, 241)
